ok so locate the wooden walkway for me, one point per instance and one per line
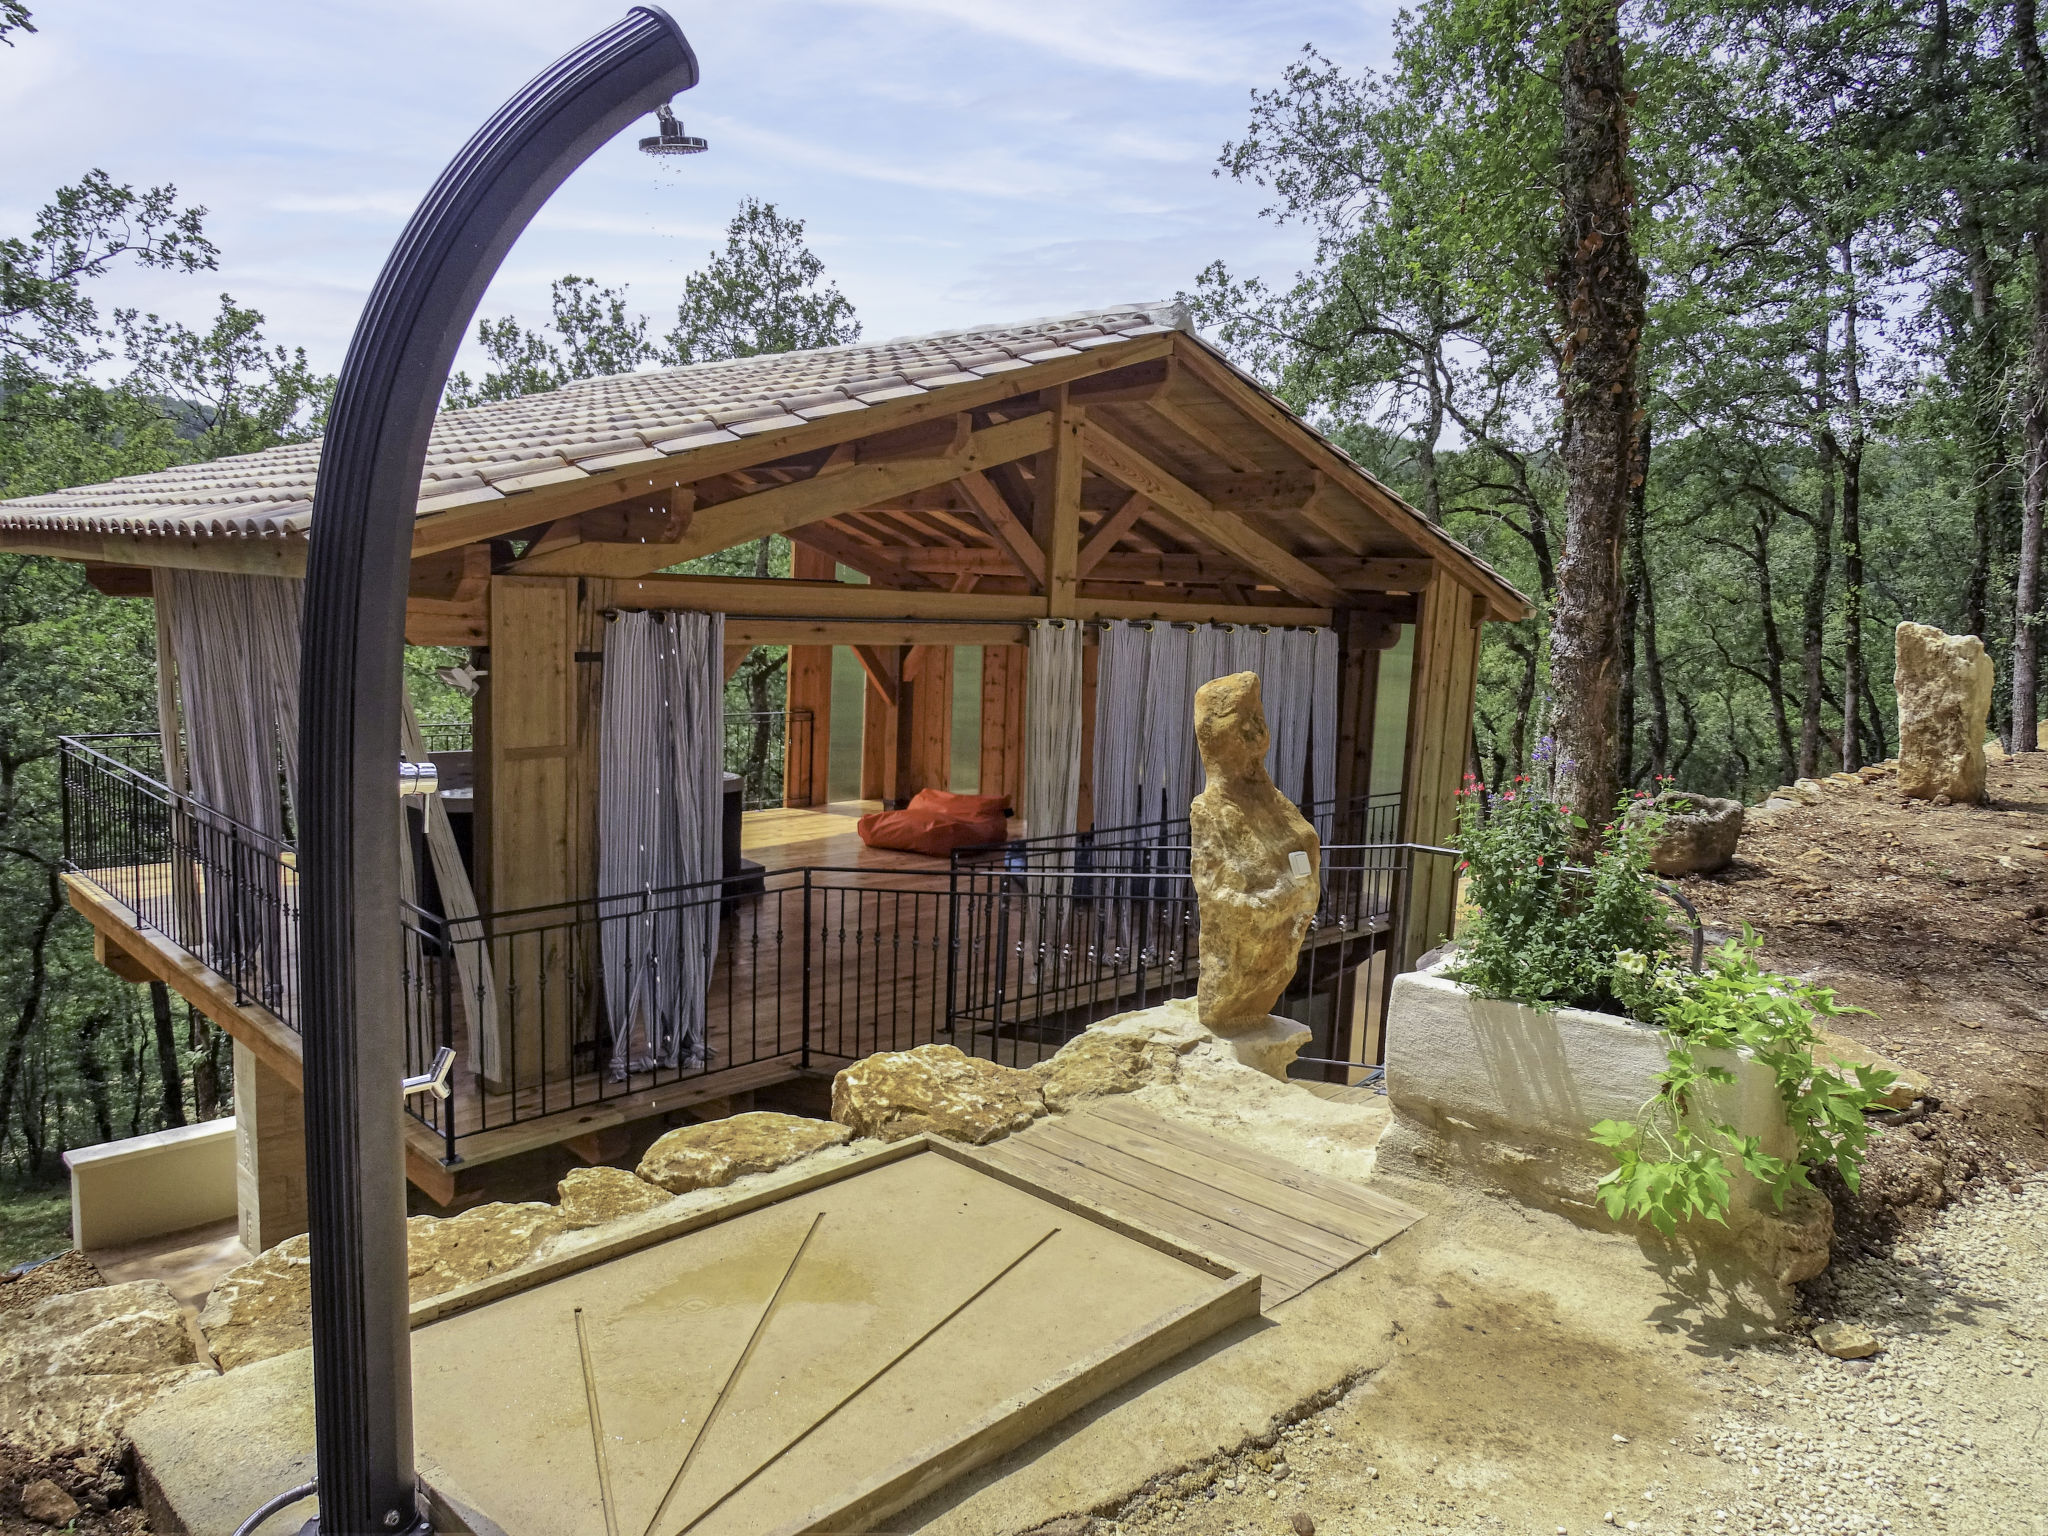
(1292, 1226)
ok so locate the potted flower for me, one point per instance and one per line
(1567, 1052)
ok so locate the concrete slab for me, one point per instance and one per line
(210, 1454)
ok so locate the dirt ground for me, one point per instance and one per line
(1935, 919)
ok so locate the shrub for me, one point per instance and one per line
(1542, 934)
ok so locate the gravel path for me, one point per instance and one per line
(1944, 1431)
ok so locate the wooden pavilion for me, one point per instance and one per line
(940, 492)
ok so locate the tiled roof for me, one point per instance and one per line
(585, 428)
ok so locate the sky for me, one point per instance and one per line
(955, 161)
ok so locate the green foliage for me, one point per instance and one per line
(226, 388)
(47, 320)
(1544, 934)
(1678, 1163)
(762, 293)
(597, 337)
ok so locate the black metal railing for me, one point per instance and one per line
(561, 1008)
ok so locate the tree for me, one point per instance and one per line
(596, 335)
(47, 320)
(2028, 613)
(228, 390)
(762, 293)
(1600, 297)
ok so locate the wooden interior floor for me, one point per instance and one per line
(1292, 1226)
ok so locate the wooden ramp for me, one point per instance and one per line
(1261, 1213)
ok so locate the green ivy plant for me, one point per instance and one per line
(1546, 936)
(1668, 1167)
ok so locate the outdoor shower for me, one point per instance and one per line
(350, 686)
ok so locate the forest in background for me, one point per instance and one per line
(1839, 215)
(1838, 212)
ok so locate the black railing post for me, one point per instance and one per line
(809, 1023)
(952, 946)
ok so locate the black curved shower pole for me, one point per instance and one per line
(350, 677)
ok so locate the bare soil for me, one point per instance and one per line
(1934, 918)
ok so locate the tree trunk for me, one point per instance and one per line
(1600, 289)
(1821, 524)
(1852, 522)
(2027, 605)
(168, 1070)
(31, 1011)
(1774, 644)
(1643, 593)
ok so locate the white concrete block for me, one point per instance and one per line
(126, 1191)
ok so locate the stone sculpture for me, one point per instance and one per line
(1944, 689)
(1257, 863)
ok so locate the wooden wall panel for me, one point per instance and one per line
(1446, 673)
(536, 805)
(1002, 719)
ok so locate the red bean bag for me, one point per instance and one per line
(936, 823)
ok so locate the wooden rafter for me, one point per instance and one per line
(1004, 526)
(1182, 504)
(1103, 537)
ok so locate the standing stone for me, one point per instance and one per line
(1944, 689)
(1257, 863)
(590, 1197)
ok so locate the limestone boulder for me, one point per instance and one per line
(49, 1415)
(1700, 833)
(1845, 1054)
(1100, 1062)
(719, 1151)
(443, 1253)
(265, 1307)
(590, 1197)
(111, 1330)
(1944, 690)
(1257, 864)
(935, 1090)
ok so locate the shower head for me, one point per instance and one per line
(671, 140)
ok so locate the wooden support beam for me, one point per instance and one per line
(448, 621)
(735, 658)
(883, 668)
(120, 580)
(1105, 534)
(1200, 363)
(781, 508)
(774, 597)
(1183, 421)
(879, 565)
(1056, 513)
(1011, 536)
(871, 632)
(807, 762)
(1189, 509)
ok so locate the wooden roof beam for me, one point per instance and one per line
(1004, 526)
(1102, 538)
(1182, 504)
(781, 508)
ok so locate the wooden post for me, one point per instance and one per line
(1002, 720)
(270, 1153)
(1446, 673)
(1056, 514)
(808, 687)
(536, 794)
(925, 720)
(881, 740)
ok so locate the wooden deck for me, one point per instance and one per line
(1293, 1227)
(814, 972)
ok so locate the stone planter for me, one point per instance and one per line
(1503, 1096)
